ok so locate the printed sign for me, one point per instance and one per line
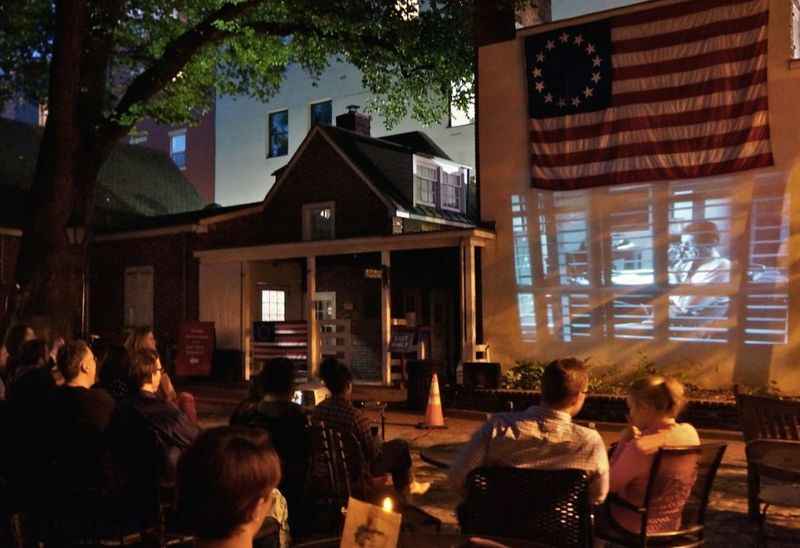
(195, 348)
(373, 273)
(368, 526)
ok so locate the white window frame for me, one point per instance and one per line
(173, 152)
(309, 211)
(266, 315)
(460, 190)
(140, 311)
(419, 179)
(269, 132)
(319, 102)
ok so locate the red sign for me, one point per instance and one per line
(195, 348)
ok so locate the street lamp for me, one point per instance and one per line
(76, 236)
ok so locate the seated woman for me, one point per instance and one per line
(654, 403)
(226, 486)
(337, 412)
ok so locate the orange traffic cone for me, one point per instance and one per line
(434, 418)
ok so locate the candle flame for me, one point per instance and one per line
(388, 505)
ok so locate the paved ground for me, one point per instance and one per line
(727, 524)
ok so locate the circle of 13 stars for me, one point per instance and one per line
(566, 40)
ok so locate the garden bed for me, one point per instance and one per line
(718, 413)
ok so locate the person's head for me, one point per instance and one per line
(77, 364)
(145, 370)
(654, 399)
(116, 365)
(564, 385)
(701, 237)
(32, 353)
(277, 378)
(16, 336)
(141, 338)
(225, 483)
(336, 376)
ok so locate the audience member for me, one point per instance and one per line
(654, 403)
(172, 428)
(286, 425)
(543, 436)
(226, 486)
(115, 374)
(16, 336)
(143, 338)
(392, 457)
(29, 374)
(81, 415)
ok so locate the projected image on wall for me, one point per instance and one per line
(697, 262)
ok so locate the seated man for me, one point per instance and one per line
(173, 430)
(392, 457)
(543, 436)
(80, 414)
(286, 425)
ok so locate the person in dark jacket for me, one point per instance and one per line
(172, 429)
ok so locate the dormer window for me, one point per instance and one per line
(440, 185)
(319, 221)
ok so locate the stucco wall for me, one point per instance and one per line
(503, 120)
(243, 171)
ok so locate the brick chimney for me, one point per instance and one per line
(354, 121)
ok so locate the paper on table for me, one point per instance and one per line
(368, 526)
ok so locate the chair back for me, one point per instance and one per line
(338, 467)
(547, 506)
(762, 417)
(679, 487)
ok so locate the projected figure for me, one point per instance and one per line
(697, 261)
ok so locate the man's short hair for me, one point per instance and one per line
(144, 364)
(277, 377)
(563, 380)
(704, 232)
(222, 477)
(70, 357)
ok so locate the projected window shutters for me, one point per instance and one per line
(139, 296)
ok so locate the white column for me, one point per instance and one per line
(468, 300)
(311, 318)
(386, 317)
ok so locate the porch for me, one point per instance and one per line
(351, 298)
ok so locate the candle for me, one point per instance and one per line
(388, 506)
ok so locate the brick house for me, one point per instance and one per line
(358, 237)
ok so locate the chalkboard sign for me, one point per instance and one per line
(402, 340)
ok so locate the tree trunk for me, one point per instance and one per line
(45, 265)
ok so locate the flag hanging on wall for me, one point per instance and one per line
(671, 92)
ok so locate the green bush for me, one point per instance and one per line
(526, 375)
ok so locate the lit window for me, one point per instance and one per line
(321, 113)
(138, 138)
(319, 221)
(273, 305)
(177, 148)
(461, 116)
(278, 137)
(426, 182)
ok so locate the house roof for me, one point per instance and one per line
(389, 166)
(135, 181)
(418, 142)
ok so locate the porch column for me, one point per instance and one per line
(386, 317)
(311, 318)
(468, 312)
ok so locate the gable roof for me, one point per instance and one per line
(418, 142)
(135, 181)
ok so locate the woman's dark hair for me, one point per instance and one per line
(277, 377)
(336, 375)
(116, 365)
(134, 341)
(15, 337)
(222, 477)
(32, 354)
(144, 364)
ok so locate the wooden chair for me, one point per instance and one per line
(676, 498)
(765, 418)
(547, 506)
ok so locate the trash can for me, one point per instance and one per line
(419, 373)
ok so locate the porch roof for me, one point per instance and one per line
(478, 237)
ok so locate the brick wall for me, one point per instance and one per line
(175, 283)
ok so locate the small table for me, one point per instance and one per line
(441, 455)
(428, 540)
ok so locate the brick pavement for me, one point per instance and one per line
(727, 524)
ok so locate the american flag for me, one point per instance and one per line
(675, 91)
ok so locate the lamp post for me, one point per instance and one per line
(76, 236)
